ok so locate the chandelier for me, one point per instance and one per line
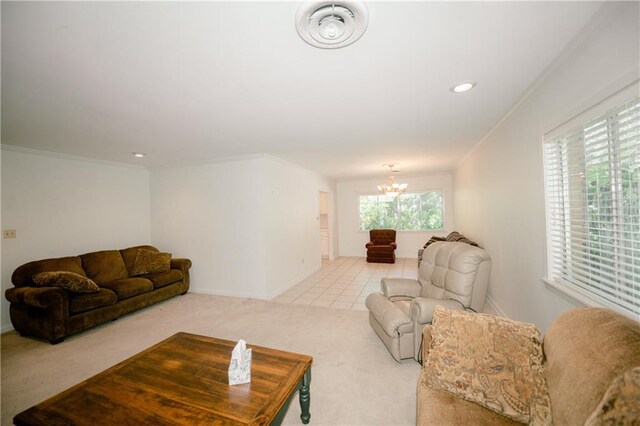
(392, 188)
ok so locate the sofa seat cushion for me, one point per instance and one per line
(404, 306)
(129, 287)
(163, 279)
(380, 249)
(104, 266)
(82, 302)
(438, 407)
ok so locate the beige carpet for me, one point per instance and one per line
(354, 379)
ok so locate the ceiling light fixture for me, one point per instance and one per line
(138, 154)
(392, 188)
(331, 25)
(463, 87)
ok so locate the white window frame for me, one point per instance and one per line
(420, 191)
(575, 291)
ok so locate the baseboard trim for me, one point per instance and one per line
(497, 310)
(293, 282)
(226, 293)
(268, 296)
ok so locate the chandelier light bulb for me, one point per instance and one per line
(392, 188)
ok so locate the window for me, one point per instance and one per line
(413, 211)
(592, 186)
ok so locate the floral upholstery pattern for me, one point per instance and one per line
(493, 361)
(151, 262)
(65, 280)
(621, 403)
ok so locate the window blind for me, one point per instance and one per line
(592, 187)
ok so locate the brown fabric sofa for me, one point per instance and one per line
(52, 313)
(381, 248)
(585, 350)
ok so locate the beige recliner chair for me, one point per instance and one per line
(451, 274)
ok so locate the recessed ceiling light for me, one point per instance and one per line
(463, 87)
(138, 154)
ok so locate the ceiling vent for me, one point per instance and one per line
(331, 25)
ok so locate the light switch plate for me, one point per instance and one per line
(9, 233)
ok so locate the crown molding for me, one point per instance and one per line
(599, 20)
(70, 157)
(209, 161)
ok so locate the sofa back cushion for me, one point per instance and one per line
(23, 275)
(104, 266)
(129, 256)
(586, 349)
(449, 270)
(381, 237)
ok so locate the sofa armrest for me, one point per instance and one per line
(40, 297)
(422, 308)
(51, 321)
(393, 287)
(183, 265)
(369, 244)
(394, 245)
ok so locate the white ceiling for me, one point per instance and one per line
(189, 82)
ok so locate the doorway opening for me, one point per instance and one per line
(323, 205)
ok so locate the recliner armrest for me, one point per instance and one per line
(400, 287)
(389, 316)
(422, 308)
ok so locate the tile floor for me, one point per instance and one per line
(345, 283)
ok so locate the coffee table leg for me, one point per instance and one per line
(305, 397)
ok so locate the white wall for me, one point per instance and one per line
(352, 240)
(499, 193)
(293, 223)
(213, 214)
(63, 206)
(246, 224)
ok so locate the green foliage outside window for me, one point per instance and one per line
(612, 189)
(414, 211)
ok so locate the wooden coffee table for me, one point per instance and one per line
(182, 380)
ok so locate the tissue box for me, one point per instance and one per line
(240, 369)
